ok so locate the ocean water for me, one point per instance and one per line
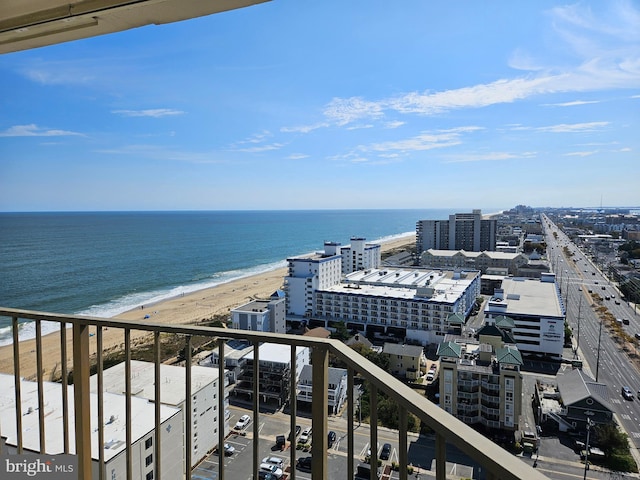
(105, 263)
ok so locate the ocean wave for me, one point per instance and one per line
(26, 331)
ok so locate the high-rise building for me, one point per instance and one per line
(463, 231)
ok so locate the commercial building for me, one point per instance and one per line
(273, 373)
(536, 310)
(309, 273)
(462, 231)
(261, 315)
(337, 387)
(483, 261)
(481, 383)
(143, 435)
(205, 403)
(409, 304)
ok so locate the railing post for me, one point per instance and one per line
(222, 379)
(81, 389)
(293, 405)
(441, 457)
(350, 417)
(319, 409)
(373, 430)
(402, 442)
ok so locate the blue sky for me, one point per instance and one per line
(332, 104)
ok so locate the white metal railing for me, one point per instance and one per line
(495, 461)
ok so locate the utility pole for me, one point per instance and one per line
(598, 357)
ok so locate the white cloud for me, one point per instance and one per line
(581, 154)
(304, 128)
(360, 127)
(261, 148)
(297, 156)
(566, 127)
(32, 130)
(154, 113)
(570, 104)
(394, 124)
(489, 157)
(423, 141)
(346, 110)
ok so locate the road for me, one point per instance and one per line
(603, 356)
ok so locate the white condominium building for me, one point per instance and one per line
(360, 255)
(205, 404)
(143, 433)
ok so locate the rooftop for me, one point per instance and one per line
(529, 296)
(142, 415)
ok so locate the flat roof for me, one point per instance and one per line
(530, 296)
(142, 415)
(276, 353)
(172, 389)
(403, 283)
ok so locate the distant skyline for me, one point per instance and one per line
(332, 105)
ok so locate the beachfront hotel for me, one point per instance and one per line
(205, 406)
(261, 315)
(142, 425)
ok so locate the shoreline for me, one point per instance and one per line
(186, 308)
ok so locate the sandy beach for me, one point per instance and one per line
(184, 309)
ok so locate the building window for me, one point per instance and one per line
(148, 443)
(149, 460)
(150, 475)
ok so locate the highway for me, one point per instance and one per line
(599, 346)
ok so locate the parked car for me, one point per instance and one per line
(280, 441)
(277, 461)
(242, 423)
(627, 393)
(385, 453)
(306, 436)
(304, 464)
(637, 336)
(272, 469)
(331, 438)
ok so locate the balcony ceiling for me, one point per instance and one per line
(26, 24)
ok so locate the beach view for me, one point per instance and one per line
(279, 240)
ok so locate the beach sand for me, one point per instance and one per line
(185, 309)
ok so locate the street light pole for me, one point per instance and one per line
(586, 452)
(598, 357)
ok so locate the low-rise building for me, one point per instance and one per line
(405, 361)
(143, 433)
(274, 372)
(261, 315)
(205, 404)
(482, 261)
(337, 387)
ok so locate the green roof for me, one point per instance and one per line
(509, 356)
(504, 322)
(449, 349)
(456, 318)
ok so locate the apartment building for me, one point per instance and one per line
(481, 384)
(536, 309)
(483, 261)
(143, 432)
(205, 404)
(261, 315)
(462, 231)
(413, 304)
(273, 373)
(337, 389)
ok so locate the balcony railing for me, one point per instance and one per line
(496, 463)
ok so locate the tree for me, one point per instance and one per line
(341, 333)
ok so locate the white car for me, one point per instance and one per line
(277, 461)
(305, 436)
(242, 422)
(272, 469)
